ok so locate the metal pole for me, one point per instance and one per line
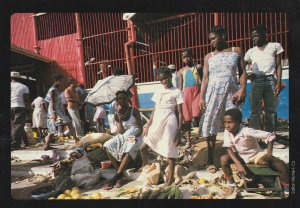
(79, 39)
(216, 19)
(35, 36)
(129, 59)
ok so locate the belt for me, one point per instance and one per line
(254, 77)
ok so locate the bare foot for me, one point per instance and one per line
(47, 142)
(168, 182)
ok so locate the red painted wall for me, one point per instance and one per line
(22, 30)
(63, 49)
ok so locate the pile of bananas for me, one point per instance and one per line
(207, 196)
(170, 192)
(133, 191)
(63, 138)
(93, 146)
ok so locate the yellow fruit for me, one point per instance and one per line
(75, 191)
(67, 192)
(202, 180)
(61, 196)
(51, 198)
(131, 190)
(76, 196)
(88, 197)
(75, 188)
(68, 197)
(96, 195)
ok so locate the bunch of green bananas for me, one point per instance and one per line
(170, 192)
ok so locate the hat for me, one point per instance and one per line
(14, 74)
(172, 66)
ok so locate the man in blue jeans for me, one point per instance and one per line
(265, 63)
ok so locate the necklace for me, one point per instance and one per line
(124, 115)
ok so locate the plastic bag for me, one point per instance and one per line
(82, 165)
(83, 173)
(86, 180)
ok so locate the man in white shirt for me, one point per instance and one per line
(20, 103)
(265, 62)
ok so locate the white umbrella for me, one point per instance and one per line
(105, 90)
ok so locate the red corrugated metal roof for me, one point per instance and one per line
(31, 54)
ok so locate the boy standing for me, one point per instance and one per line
(73, 104)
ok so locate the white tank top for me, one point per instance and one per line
(130, 122)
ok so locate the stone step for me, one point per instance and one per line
(28, 170)
(35, 154)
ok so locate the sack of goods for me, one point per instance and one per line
(83, 173)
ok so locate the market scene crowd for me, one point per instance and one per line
(206, 96)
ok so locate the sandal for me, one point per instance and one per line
(112, 182)
(211, 168)
(108, 186)
(119, 183)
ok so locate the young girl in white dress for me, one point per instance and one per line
(39, 115)
(162, 131)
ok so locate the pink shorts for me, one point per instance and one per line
(190, 107)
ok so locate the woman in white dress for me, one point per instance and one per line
(162, 131)
(123, 148)
(39, 116)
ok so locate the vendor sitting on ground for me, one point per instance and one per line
(123, 148)
(243, 148)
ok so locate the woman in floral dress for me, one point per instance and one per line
(219, 89)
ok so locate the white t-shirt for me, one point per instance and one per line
(245, 142)
(17, 94)
(263, 61)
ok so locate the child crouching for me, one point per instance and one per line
(243, 148)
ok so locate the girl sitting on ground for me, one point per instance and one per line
(162, 131)
(243, 148)
(123, 148)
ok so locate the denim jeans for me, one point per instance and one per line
(262, 88)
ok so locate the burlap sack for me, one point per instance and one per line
(150, 174)
(94, 138)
